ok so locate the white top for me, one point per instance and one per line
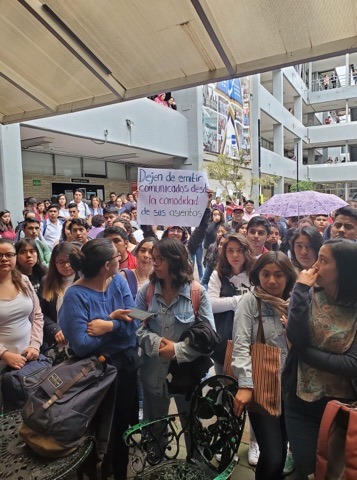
(224, 304)
(15, 326)
(52, 233)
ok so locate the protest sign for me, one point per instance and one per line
(171, 197)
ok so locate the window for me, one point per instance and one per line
(68, 166)
(116, 171)
(33, 162)
(93, 167)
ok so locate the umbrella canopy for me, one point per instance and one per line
(299, 204)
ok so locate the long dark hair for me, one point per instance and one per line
(345, 254)
(224, 268)
(280, 259)
(92, 257)
(315, 238)
(54, 282)
(38, 270)
(176, 255)
(16, 276)
(3, 226)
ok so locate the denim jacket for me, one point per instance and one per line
(245, 331)
(168, 321)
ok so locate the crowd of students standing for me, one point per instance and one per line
(72, 272)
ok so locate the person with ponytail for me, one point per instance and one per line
(94, 320)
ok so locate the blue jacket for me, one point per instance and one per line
(245, 329)
(169, 321)
(82, 304)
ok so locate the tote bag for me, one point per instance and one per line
(266, 362)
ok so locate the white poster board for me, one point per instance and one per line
(171, 197)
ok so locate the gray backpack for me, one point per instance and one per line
(58, 416)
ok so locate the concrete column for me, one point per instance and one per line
(190, 104)
(347, 119)
(254, 132)
(11, 178)
(298, 154)
(278, 135)
(348, 73)
(311, 156)
(298, 107)
(280, 187)
(310, 77)
(278, 85)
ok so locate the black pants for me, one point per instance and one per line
(303, 423)
(126, 402)
(271, 436)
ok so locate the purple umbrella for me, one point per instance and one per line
(299, 204)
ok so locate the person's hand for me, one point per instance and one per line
(31, 353)
(59, 337)
(284, 320)
(14, 360)
(167, 349)
(98, 327)
(243, 397)
(308, 277)
(121, 314)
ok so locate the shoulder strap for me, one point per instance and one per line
(351, 444)
(328, 418)
(133, 284)
(260, 332)
(44, 227)
(149, 293)
(195, 296)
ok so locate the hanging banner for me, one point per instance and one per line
(171, 197)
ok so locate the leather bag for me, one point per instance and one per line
(337, 443)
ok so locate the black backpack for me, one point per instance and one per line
(57, 418)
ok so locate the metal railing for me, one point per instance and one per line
(336, 81)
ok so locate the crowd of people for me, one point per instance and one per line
(70, 274)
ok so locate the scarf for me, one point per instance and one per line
(279, 305)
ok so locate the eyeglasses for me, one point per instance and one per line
(156, 261)
(116, 256)
(62, 263)
(7, 255)
(175, 230)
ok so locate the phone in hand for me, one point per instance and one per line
(141, 315)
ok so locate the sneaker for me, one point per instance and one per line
(289, 466)
(253, 453)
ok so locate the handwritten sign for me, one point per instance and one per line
(171, 197)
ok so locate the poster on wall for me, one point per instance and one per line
(226, 123)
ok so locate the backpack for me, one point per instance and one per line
(337, 443)
(57, 418)
(18, 385)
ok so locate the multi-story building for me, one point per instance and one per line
(290, 123)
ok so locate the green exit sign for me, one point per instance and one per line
(36, 183)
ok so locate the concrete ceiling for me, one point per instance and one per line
(47, 141)
(62, 55)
